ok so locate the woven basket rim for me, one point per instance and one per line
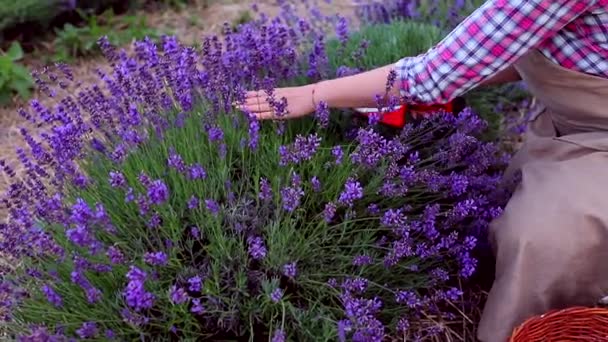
(567, 318)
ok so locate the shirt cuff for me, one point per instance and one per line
(404, 79)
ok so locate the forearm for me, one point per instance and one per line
(362, 89)
(359, 90)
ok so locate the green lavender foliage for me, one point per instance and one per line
(14, 77)
(41, 12)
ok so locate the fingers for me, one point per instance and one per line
(254, 93)
(261, 110)
(257, 104)
(269, 115)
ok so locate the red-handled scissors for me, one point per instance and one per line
(403, 114)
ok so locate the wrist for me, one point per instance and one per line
(318, 94)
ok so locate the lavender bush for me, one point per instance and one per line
(151, 209)
(442, 13)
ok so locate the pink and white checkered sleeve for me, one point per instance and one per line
(488, 41)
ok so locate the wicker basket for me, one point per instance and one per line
(568, 325)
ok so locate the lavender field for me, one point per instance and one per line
(141, 204)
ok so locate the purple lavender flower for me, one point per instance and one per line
(459, 184)
(362, 313)
(155, 221)
(322, 114)
(93, 294)
(158, 193)
(355, 285)
(338, 153)
(265, 190)
(291, 197)
(276, 295)
(317, 59)
(352, 191)
(371, 148)
(38, 333)
(344, 329)
(117, 179)
(290, 270)
(197, 307)
(134, 318)
(373, 209)
(302, 149)
(256, 248)
(344, 71)
(215, 134)
(278, 336)
(464, 209)
(156, 258)
(195, 232)
(409, 298)
(342, 30)
(254, 135)
(403, 326)
(144, 179)
(212, 206)
(469, 243)
(316, 184)
(362, 260)
(195, 284)
(119, 154)
(130, 195)
(135, 293)
(193, 202)
(453, 294)
(88, 330)
(81, 212)
(440, 274)
(468, 264)
(395, 219)
(196, 171)
(115, 255)
(110, 335)
(285, 155)
(98, 145)
(296, 180)
(80, 235)
(329, 212)
(178, 295)
(52, 296)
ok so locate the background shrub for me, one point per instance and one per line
(77, 41)
(14, 78)
(42, 12)
(444, 14)
(375, 45)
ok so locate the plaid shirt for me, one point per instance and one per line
(572, 33)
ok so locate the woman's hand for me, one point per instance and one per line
(360, 90)
(300, 103)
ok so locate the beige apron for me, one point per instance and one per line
(551, 242)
